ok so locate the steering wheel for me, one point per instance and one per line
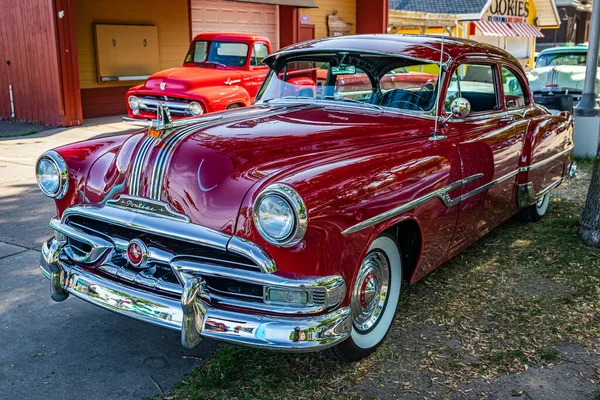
(404, 101)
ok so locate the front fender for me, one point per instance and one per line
(343, 190)
(80, 159)
(218, 98)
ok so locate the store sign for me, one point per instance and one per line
(508, 11)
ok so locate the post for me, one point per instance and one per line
(588, 107)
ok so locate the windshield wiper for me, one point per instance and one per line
(349, 100)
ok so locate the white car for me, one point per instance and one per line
(558, 77)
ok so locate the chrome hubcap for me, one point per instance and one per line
(370, 291)
(540, 202)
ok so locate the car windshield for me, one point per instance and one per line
(553, 59)
(366, 80)
(215, 53)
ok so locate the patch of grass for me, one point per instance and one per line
(243, 373)
(549, 354)
(502, 306)
(29, 132)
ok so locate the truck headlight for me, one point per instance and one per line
(280, 215)
(52, 174)
(134, 102)
(195, 108)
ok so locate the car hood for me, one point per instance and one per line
(205, 169)
(189, 78)
(567, 77)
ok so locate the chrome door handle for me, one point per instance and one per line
(508, 119)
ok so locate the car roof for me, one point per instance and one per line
(231, 36)
(565, 49)
(421, 47)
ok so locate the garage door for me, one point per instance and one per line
(231, 16)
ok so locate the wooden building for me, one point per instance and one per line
(49, 64)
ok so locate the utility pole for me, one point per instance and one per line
(587, 107)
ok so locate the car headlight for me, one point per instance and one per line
(280, 215)
(52, 174)
(134, 102)
(195, 108)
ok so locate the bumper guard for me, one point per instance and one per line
(193, 315)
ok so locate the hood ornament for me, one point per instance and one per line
(204, 189)
(163, 121)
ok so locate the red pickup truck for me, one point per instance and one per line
(220, 71)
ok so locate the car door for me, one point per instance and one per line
(490, 142)
(257, 72)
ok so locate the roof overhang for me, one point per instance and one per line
(418, 19)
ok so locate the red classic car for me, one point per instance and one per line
(291, 224)
(220, 71)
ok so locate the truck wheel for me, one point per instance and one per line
(374, 299)
(536, 211)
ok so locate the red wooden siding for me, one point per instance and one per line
(28, 42)
(102, 102)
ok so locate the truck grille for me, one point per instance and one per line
(177, 106)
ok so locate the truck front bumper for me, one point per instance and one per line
(192, 314)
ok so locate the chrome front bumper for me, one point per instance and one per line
(192, 315)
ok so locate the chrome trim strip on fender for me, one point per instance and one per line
(442, 194)
(545, 161)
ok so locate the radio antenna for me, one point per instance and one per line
(436, 135)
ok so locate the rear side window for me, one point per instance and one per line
(514, 94)
(476, 83)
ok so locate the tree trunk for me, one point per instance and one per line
(590, 220)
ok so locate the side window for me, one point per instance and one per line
(259, 52)
(514, 95)
(476, 83)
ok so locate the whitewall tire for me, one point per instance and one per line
(374, 298)
(536, 212)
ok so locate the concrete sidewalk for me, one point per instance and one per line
(70, 349)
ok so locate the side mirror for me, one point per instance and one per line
(460, 108)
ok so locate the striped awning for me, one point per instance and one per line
(526, 30)
(489, 28)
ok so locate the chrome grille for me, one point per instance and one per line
(177, 106)
(157, 274)
(237, 272)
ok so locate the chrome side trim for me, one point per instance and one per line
(545, 161)
(442, 194)
(485, 187)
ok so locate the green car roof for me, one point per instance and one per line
(565, 49)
